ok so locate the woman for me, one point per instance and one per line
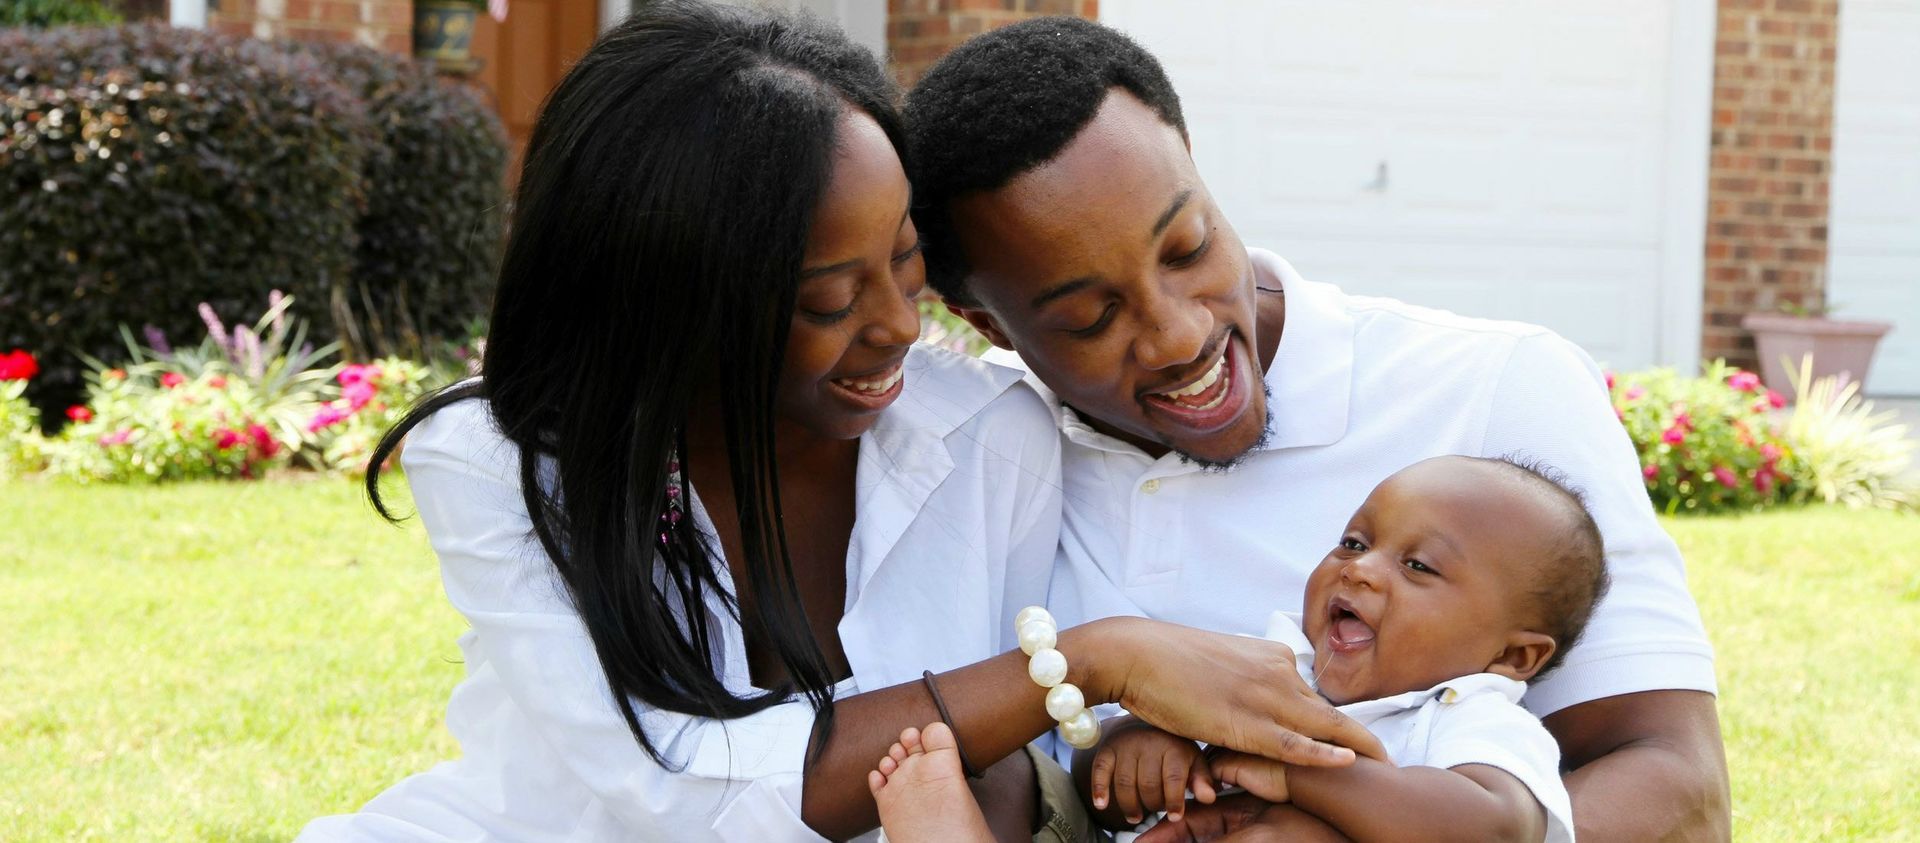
(710, 513)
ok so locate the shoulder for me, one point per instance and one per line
(463, 438)
(948, 392)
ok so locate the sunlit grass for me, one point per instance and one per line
(226, 661)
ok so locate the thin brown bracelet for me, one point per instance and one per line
(926, 678)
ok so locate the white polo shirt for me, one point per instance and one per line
(1361, 388)
(957, 517)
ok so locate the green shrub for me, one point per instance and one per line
(148, 169)
(1705, 443)
(55, 13)
(435, 205)
(147, 424)
(20, 443)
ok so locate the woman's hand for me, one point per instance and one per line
(1227, 690)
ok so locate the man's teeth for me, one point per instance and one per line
(876, 387)
(1205, 383)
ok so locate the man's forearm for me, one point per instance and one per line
(1646, 767)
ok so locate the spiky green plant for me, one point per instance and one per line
(1845, 452)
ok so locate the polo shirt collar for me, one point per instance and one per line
(1310, 378)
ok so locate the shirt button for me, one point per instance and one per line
(1150, 486)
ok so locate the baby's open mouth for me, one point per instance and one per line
(1345, 630)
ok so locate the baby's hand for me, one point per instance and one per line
(1262, 777)
(1139, 768)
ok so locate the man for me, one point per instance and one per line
(1222, 415)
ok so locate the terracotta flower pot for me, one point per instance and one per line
(1842, 348)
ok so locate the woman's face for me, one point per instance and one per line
(854, 316)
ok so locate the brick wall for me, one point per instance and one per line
(386, 24)
(919, 32)
(1772, 156)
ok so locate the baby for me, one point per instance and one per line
(1457, 581)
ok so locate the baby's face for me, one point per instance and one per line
(1428, 583)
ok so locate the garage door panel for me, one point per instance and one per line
(1874, 231)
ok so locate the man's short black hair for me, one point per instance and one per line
(1006, 102)
(1569, 584)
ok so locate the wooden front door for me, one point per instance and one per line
(522, 59)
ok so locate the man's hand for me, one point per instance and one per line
(1244, 818)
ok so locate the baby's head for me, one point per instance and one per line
(1454, 566)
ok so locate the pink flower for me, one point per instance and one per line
(1776, 400)
(358, 394)
(18, 365)
(1635, 392)
(1683, 421)
(329, 415)
(1674, 435)
(359, 373)
(1609, 380)
(171, 379)
(1744, 381)
(1770, 453)
(79, 413)
(1763, 481)
(217, 382)
(1650, 472)
(226, 438)
(1726, 477)
(118, 437)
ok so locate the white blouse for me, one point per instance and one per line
(957, 517)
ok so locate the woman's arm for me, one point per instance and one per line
(1377, 801)
(1228, 690)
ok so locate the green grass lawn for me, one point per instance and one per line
(224, 661)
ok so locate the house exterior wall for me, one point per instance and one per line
(385, 24)
(919, 32)
(1772, 155)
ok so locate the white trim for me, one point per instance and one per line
(191, 14)
(613, 11)
(1689, 152)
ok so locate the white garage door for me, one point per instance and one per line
(1542, 160)
(1874, 247)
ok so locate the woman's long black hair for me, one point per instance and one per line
(658, 234)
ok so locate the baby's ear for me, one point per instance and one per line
(1526, 653)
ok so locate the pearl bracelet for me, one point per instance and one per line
(1048, 669)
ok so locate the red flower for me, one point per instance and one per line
(263, 442)
(1650, 472)
(1776, 400)
(1744, 381)
(171, 379)
(226, 438)
(114, 374)
(1726, 477)
(1609, 380)
(217, 382)
(1763, 481)
(18, 365)
(79, 413)
(1674, 435)
(1770, 452)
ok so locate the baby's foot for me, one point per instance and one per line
(922, 791)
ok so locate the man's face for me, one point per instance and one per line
(1120, 283)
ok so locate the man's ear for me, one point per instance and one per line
(983, 322)
(1525, 654)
